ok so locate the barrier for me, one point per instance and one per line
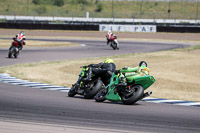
(96, 27)
(179, 29)
(49, 26)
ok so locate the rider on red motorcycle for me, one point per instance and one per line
(108, 36)
(111, 38)
(20, 39)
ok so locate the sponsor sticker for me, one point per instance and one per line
(128, 28)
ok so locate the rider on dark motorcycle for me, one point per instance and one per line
(104, 70)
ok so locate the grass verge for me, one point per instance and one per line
(176, 71)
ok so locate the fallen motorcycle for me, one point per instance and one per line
(87, 88)
(130, 91)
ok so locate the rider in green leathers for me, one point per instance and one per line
(140, 70)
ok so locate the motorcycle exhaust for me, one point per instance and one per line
(147, 94)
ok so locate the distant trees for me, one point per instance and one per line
(42, 8)
(59, 3)
(99, 7)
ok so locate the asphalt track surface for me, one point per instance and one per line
(20, 104)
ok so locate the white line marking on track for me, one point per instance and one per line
(83, 45)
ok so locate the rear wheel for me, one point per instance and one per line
(101, 95)
(132, 95)
(94, 87)
(113, 45)
(16, 54)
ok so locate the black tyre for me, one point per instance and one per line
(114, 48)
(72, 92)
(95, 86)
(11, 52)
(133, 95)
(101, 95)
(113, 45)
(16, 54)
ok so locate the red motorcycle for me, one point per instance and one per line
(113, 42)
(14, 49)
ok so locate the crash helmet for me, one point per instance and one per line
(22, 33)
(109, 32)
(142, 64)
(108, 60)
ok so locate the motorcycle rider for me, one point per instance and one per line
(104, 70)
(20, 39)
(108, 36)
(111, 37)
(140, 70)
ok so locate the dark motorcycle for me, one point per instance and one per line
(87, 88)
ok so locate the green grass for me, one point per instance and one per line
(121, 9)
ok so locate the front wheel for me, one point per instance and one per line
(132, 95)
(72, 91)
(92, 89)
(101, 95)
(11, 52)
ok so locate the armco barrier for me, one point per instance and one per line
(92, 27)
(49, 26)
(179, 29)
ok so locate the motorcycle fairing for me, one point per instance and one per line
(145, 81)
(111, 95)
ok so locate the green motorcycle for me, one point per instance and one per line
(87, 88)
(127, 85)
